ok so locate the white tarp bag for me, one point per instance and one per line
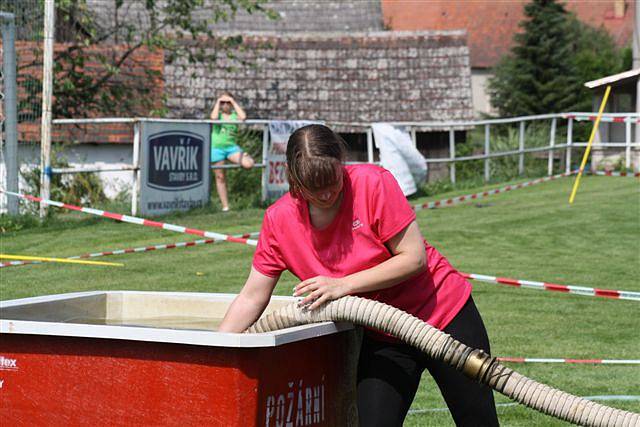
(400, 157)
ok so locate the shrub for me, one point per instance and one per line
(74, 189)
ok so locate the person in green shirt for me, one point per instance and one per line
(223, 142)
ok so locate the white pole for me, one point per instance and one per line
(414, 140)
(552, 143)
(627, 150)
(47, 89)
(521, 148)
(136, 171)
(487, 172)
(370, 158)
(452, 155)
(637, 149)
(569, 143)
(636, 50)
(12, 165)
(265, 160)
(636, 64)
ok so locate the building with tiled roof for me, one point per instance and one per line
(623, 99)
(344, 79)
(335, 77)
(491, 25)
(329, 60)
(290, 15)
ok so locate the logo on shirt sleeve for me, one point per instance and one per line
(356, 224)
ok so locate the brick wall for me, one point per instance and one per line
(109, 133)
(362, 77)
(132, 73)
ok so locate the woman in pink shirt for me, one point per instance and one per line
(349, 230)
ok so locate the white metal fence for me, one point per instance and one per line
(630, 144)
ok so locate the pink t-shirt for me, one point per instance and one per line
(373, 210)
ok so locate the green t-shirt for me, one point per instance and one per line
(224, 135)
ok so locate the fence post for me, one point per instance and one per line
(370, 158)
(12, 165)
(265, 160)
(47, 94)
(521, 149)
(552, 143)
(414, 140)
(569, 143)
(487, 172)
(452, 155)
(627, 148)
(136, 170)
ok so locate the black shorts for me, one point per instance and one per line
(389, 374)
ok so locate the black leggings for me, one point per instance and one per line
(389, 374)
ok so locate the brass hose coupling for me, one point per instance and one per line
(477, 364)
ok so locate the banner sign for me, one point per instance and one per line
(174, 167)
(274, 179)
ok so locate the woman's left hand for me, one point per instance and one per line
(320, 289)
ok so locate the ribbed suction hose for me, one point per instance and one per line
(440, 346)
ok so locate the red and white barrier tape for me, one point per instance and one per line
(612, 173)
(135, 250)
(135, 220)
(602, 119)
(577, 361)
(580, 290)
(459, 199)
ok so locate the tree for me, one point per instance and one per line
(552, 58)
(182, 29)
(594, 56)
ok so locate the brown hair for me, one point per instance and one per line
(314, 157)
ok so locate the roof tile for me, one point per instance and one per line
(492, 24)
(365, 77)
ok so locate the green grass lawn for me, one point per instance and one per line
(530, 233)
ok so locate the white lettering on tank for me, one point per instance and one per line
(290, 406)
(280, 411)
(309, 396)
(300, 406)
(8, 364)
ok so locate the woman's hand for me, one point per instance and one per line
(320, 289)
(225, 98)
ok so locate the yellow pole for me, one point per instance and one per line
(588, 150)
(63, 260)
